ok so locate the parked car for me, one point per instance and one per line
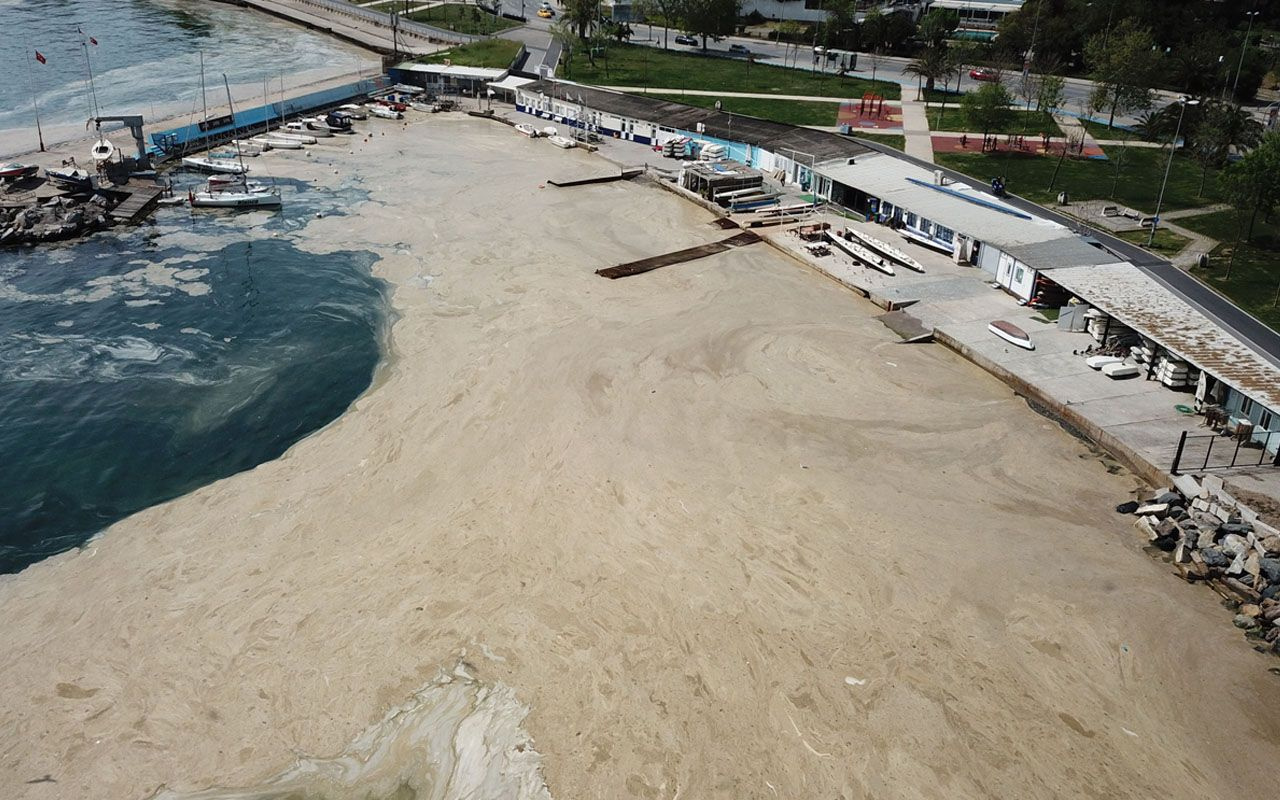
(984, 74)
(738, 50)
(546, 13)
(684, 38)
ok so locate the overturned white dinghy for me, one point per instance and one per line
(1098, 362)
(1121, 371)
(1012, 334)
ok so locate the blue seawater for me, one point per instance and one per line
(141, 363)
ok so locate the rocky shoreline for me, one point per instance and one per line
(1214, 538)
(54, 219)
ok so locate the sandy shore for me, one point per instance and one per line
(720, 533)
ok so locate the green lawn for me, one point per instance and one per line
(1031, 123)
(637, 65)
(1092, 179)
(792, 112)
(462, 18)
(1166, 243)
(495, 53)
(896, 141)
(1255, 270)
(1100, 131)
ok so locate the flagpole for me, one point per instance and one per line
(93, 92)
(35, 102)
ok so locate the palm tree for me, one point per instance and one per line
(933, 64)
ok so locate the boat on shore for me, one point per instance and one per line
(354, 111)
(383, 112)
(291, 136)
(13, 171)
(1012, 334)
(303, 127)
(70, 177)
(887, 249)
(275, 143)
(562, 141)
(527, 129)
(234, 191)
(223, 165)
(859, 253)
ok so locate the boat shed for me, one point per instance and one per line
(971, 226)
(446, 79)
(787, 152)
(1244, 383)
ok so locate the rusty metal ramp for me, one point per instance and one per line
(678, 256)
(906, 326)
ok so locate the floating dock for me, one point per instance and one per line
(140, 201)
(678, 256)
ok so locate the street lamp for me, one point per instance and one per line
(1243, 48)
(1173, 146)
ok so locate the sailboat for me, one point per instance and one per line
(240, 194)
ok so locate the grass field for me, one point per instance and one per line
(1031, 123)
(1100, 131)
(896, 141)
(792, 112)
(462, 18)
(495, 53)
(1255, 270)
(1089, 179)
(637, 65)
(1166, 243)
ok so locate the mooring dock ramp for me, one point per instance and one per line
(142, 199)
(678, 256)
(625, 175)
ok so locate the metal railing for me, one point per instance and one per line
(1208, 451)
(383, 19)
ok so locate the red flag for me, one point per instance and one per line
(40, 57)
(92, 40)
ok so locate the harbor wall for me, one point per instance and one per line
(175, 142)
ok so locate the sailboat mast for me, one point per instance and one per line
(244, 180)
(35, 102)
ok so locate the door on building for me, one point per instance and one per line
(1004, 270)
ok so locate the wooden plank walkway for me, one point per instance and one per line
(678, 256)
(141, 201)
(624, 175)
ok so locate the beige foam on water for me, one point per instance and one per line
(456, 738)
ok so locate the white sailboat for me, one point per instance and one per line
(235, 194)
(276, 143)
(301, 127)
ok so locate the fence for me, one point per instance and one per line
(383, 19)
(1209, 451)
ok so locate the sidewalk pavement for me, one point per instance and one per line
(915, 127)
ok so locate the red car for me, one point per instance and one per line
(984, 74)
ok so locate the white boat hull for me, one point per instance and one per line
(562, 142)
(239, 199)
(1012, 337)
(888, 250)
(290, 136)
(860, 253)
(277, 144)
(226, 166)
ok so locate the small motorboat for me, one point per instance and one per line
(13, 171)
(305, 126)
(549, 131)
(562, 141)
(250, 147)
(394, 105)
(425, 108)
(223, 165)
(354, 111)
(1012, 334)
(338, 122)
(102, 150)
(383, 112)
(319, 127)
(527, 129)
(70, 177)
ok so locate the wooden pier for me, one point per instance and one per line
(141, 201)
(678, 256)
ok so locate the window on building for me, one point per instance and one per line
(1017, 275)
(943, 234)
(1265, 421)
(926, 227)
(813, 5)
(911, 220)
(1246, 406)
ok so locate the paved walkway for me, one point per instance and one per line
(915, 127)
(354, 27)
(710, 93)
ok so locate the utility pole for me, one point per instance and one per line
(1173, 148)
(1243, 48)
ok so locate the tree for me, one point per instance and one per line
(667, 12)
(1050, 94)
(562, 31)
(1253, 182)
(583, 15)
(936, 27)
(930, 66)
(791, 30)
(988, 108)
(709, 17)
(1122, 64)
(1217, 129)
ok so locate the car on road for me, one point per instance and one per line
(738, 50)
(684, 38)
(546, 13)
(984, 74)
